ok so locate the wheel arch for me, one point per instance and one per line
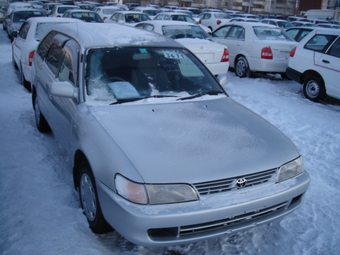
(79, 157)
(310, 73)
(238, 56)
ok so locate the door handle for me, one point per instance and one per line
(325, 61)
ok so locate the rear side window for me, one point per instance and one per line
(45, 45)
(335, 49)
(24, 30)
(54, 58)
(320, 42)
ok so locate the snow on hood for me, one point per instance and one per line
(195, 140)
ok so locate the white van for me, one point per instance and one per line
(321, 14)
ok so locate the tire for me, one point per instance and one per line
(13, 61)
(242, 68)
(314, 88)
(40, 120)
(89, 200)
(24, 82)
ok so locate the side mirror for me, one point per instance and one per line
(14, 33)
(63, 89)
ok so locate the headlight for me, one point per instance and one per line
(290, 169)
(154, 194)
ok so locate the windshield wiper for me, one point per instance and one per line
(121, 101)
(211, 93)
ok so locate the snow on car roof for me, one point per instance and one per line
(107, 34)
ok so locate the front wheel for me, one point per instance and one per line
(314, 88)
(89, 200)
(242, 68)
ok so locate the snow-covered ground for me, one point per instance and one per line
(39, 209)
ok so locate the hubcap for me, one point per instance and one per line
(312, 89)
(88, 197)
(240, 68)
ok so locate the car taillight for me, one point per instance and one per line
(30, 57)
(266, 53)
(292, 52)
(225, 57)
(200, 21)
(58, 16)
(218, 22)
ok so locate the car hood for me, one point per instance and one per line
(196, 140)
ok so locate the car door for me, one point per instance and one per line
(19, 52)
(64, 110)
(46, 69)
(329, 65)
(233, 37)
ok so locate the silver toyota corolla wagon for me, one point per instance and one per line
(161, 153)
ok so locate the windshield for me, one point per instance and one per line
(271, 33)
(133, 73)
(182, 31)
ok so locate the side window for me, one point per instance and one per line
(236, 33)
(24, 30)
(66, 69)
(222, 32)
(114, 17)
(319, 42)
(45, 44)
(69, 64)
(335, 49)
(54, 59)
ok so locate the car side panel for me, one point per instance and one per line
(329, 67)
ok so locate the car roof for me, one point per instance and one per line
(130, 12)
(276, 20)
(97, 35)
(169, 22)
(28, 9)
(175, 13)
(244, 23)
(50, 19)
(80, 10)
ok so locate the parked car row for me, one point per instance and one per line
(246, 47)
(161, 153)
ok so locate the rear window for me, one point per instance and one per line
(271, 33)
(320, 42)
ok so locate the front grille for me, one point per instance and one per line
(211, 187)
(225, 223)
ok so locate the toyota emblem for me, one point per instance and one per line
(240, 183)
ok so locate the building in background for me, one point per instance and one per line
(279, 7)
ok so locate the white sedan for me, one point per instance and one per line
(213, 20)
(106, 12)
(214, 55)
(127, 17)
(255, 47)
(26, 41)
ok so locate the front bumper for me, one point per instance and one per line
(212, 216)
